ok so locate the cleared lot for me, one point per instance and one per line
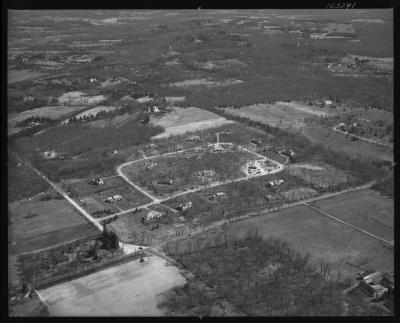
(128, 289)
(181, 120)
(366, 209)
(325, 239)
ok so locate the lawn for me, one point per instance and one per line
(366, 209)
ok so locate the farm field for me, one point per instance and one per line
(366, 209)
(92, 197)
(134, 288)
(50, 112)
(23, 75)
(183, 120)
(39, 224)
(319, 174)
(281, 114)
(340, 142)
(308, 231)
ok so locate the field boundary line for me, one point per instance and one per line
(348, 224)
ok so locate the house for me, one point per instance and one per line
(287, 152)
(387, 280)
(166, 181)
(51, 154)
(217, 196)
(151, 215)
(184, 206)
(274, 183)
(255, 141)
(96, 181)
(193, 138)
(150, 165)
(371, 285)
(114, 198)
(150, 147)
(269, 197)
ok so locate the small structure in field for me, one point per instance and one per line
(150, 147)
(217, 196)
(256, 142)
(95, 181)
(165, 181)
(193, 138)
(184, 206)
(269, 197)
(150, 165)
(205, 175)
(151, 215)
(274, 183)
(287, 152)
(113, 199)
(50, 154)
(371, 285)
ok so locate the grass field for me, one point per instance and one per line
(181, 121)
(18, 76)
(40, 224)
(130, 289)
(281, 114)
(325, 239)
(366, 209)
(50, 112)
(340, 142)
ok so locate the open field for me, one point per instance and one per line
(325, 239)
(38, 224)
(281, 114)
(18, 76)
(366, 209)
(336, 141)
(50, 112)
(133, 288)
(181, 121)
(319, 174)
